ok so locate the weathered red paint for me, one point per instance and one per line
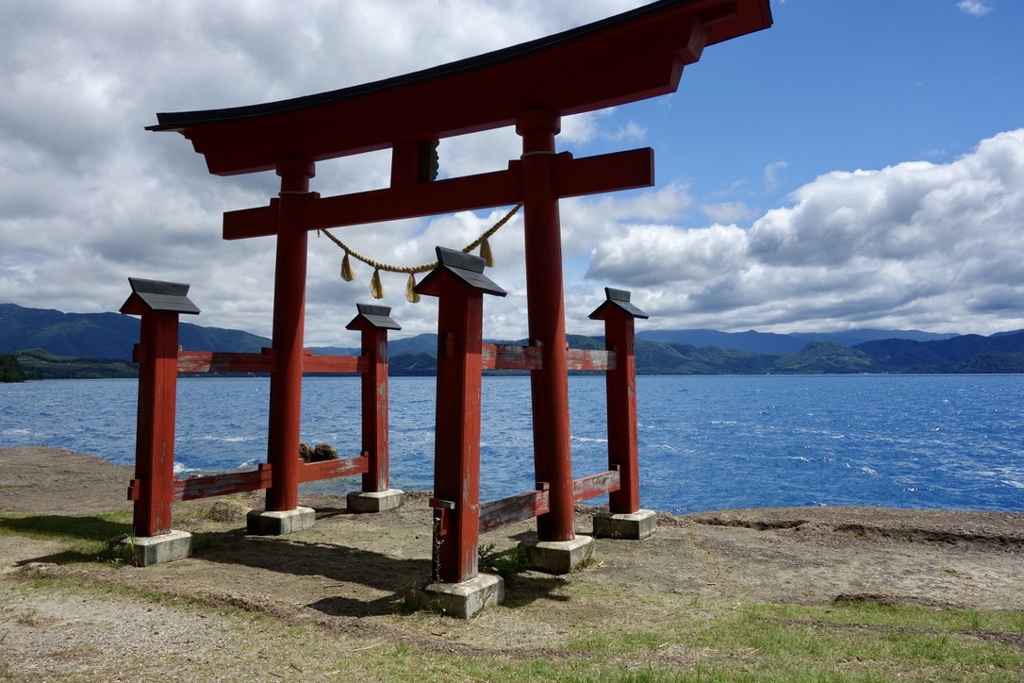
(154, 446)
(334, 364)
(374, 415)
(222, 484)
(546, 318)
(331, 469)
(523, 506)
(266, 362)
(620, 383)
(457, 435)
(214, 361)
(511, 357)
(623, 440)
(289, 322)
(595, 485)
(499, 513)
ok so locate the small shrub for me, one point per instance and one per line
(506, 563)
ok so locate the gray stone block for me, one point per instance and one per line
(270, 523)
(560, 557)
(150, 550)
(635, 526)
(461, 600)
(375, 501)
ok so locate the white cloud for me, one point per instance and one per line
(728, 212)
(915, 244)
(771, 174)
(975, 8)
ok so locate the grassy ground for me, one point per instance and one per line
(751, 642)
(694, 639)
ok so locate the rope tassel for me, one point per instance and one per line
(376, 288)
(485, 253)
(411, 295)
(346, 269)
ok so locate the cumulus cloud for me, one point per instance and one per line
(917, 243)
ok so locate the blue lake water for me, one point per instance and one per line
(926, 441)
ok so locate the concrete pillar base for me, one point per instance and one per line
(560, 557)
(270, 523)
(148, 550)
(461, 600)
(634, 526)
(375, 501)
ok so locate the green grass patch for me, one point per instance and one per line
(508, 563)
(864, 642)
(853, 642)
(904, 616)
(86, 538)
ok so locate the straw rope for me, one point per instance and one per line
(377, 289)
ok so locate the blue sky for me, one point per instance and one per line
(838, 85)
(859, 164)
(848, 85)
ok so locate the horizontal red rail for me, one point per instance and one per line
(511, 357)
(595, 485)
(589, 359)
(499, 513)
(240, 482)
(495, 357)
(213, 361)
(222, 484)
(523, 506)
(329, 469)
(337, 364)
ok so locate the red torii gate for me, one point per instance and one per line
(625, 58)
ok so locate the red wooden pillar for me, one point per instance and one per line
(546, 317)
(374, 323)
(289, 317)
(460, 285)
(159, 304)
(623, 451)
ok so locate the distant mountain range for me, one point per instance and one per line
(50, 343)
(768, 342)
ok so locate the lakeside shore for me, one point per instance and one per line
(343, 579)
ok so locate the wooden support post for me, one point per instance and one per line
(157, 356)
(546, 317)
(374, 323)
(159, 304)
(460, 286)
(623, 450)
(289, 316)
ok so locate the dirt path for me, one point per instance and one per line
(346, 574)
